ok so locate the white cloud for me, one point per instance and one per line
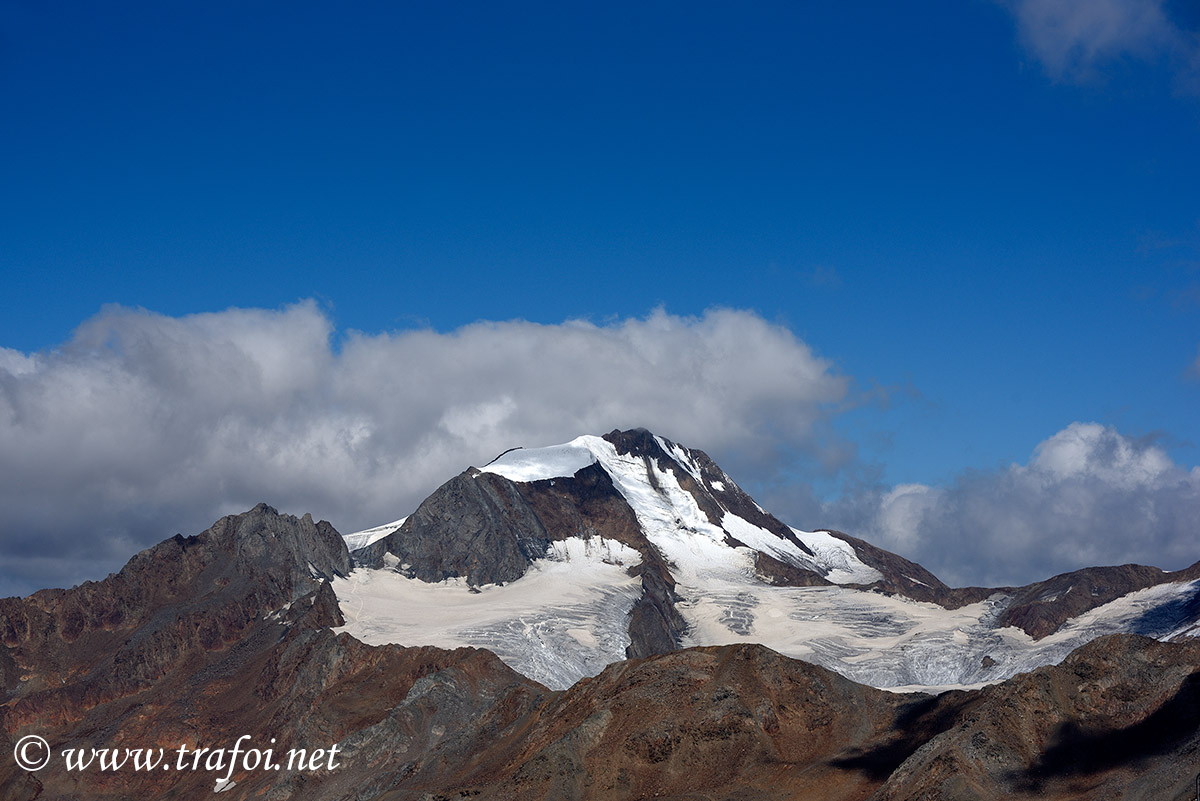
(1083, 450)
(1088, 496)
(143, 425)
(1074, 39)
(901, 515)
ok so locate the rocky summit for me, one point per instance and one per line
(613, 618)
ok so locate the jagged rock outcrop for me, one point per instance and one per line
(477, 526)
(183, 594)
(202, 639)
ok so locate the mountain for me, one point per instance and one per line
(200, 640)
(564, 559)
(244, 631)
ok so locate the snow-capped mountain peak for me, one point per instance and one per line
(564, 558)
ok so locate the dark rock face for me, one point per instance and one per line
(476, 525)
(262, 537)
(1040, 609)
(655, 625)
(139, 623)
(782, 574)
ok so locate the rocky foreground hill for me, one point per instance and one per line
(202, 640)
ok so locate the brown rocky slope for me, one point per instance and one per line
(201, 640)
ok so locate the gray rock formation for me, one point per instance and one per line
(477, 526)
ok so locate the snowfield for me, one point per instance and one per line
(566, 618)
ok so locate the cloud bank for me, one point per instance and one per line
(143, 425)
(1075, 39)
(1088, 496)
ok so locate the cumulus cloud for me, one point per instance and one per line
(143, 425)
(1075, 39)
(1088, 496)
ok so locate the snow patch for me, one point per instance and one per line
(682, 458)
(361, 539)
(1186, 631)
(593, 549)
(837, 558)
(765, 541)
(539, 464)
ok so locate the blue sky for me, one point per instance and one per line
(982, 215)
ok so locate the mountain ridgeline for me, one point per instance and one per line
(663, 608)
